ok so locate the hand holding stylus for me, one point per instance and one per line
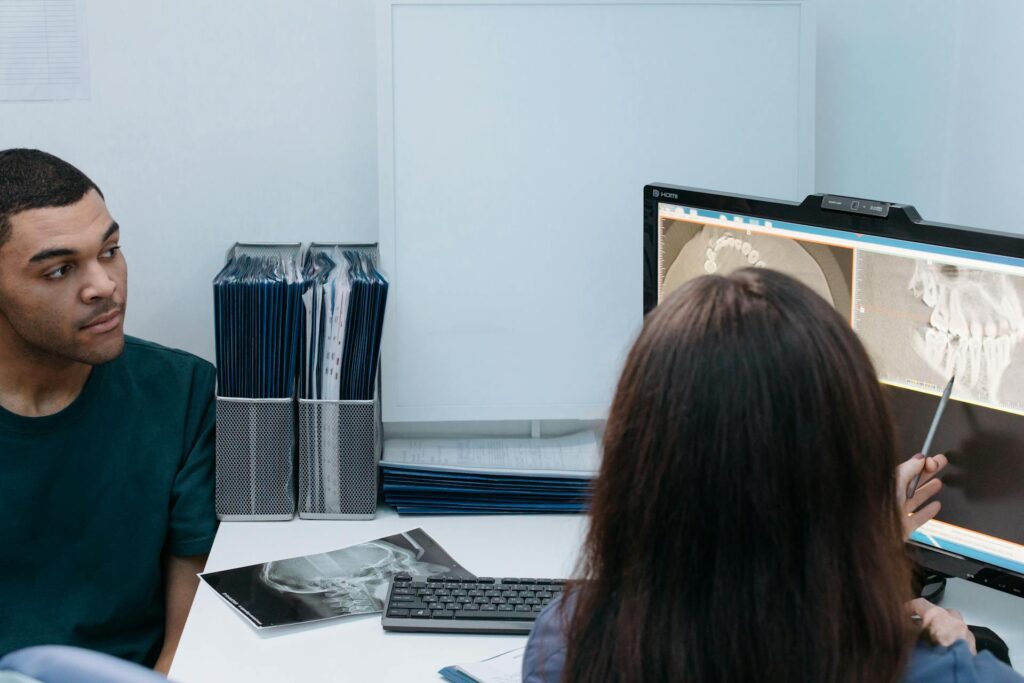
(912, 487)
(916, 509)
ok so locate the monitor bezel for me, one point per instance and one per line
(902, 222)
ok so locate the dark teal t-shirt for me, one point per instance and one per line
(91, 499)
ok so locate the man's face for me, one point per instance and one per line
(64, 282)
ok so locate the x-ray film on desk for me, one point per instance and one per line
(925, 311)
(349, 581)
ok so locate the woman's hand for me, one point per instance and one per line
(914, 515)
(943, 627)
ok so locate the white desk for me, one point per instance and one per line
(218, 645)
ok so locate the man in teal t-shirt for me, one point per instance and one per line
(106, 442)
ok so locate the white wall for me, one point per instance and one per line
(212, 122)
(985, 159)
(920, 102)
(517, 157)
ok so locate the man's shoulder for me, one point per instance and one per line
(149, 363)
(141, 351)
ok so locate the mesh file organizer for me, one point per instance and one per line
(255, 445)
(339, 448)
(255, 459)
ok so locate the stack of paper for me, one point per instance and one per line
(344, 314)
(256, 318)
(489, 476)
(504, 668)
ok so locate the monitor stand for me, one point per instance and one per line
(929, 585)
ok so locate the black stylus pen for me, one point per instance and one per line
(912, 489)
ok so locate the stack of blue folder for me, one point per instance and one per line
(344, 301)
(257, 303)
(438, 481)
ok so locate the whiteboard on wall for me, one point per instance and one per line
(515, 141)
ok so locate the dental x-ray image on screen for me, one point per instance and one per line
(925, 321)
(338, 583)
(930, 304)
(691, 249)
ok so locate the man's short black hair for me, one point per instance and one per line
(31, 179)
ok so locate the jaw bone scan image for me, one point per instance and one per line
(349, 581)
(690, 249)
(925, 321)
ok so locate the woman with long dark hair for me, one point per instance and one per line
(746, 523)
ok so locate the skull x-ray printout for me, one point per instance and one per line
(338, 583)
(925, 321)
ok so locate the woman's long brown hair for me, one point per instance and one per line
(745, 525)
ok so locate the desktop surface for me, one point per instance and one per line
(219, 645)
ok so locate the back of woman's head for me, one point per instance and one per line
(745, 523)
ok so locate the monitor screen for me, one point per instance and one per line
(925, 310)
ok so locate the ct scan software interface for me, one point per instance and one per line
(924, 313)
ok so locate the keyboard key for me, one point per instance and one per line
(452, 606)
(471, 607)
(404, 598)
(419, 613)
(398, 612)
(485, 579)
(435, 605)
(418, 584)
(403, 591)
(496, 615)
(442, 614)
(435, 579)
(402, 578)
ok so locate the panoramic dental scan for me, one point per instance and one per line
(926, 321)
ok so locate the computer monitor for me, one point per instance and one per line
(929, 301)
